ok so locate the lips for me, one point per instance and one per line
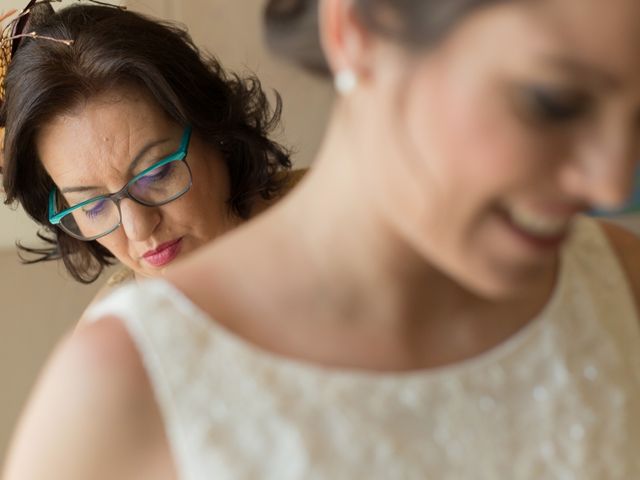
(541, 232)
(164, 253)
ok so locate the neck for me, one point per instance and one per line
(327, 256)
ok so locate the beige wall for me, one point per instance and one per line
(38, 303)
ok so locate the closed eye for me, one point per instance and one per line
(550, 105)
(155, 175)
(95, 209)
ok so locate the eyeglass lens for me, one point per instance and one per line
(157, 187)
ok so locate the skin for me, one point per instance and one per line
(407, 264)
(94, 146)
(561, 167)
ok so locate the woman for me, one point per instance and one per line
(446, 312)
(94, 105)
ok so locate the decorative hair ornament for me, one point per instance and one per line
(345, 81)
(1, 152)
(20, 28)
(3, 73)
(17, 30)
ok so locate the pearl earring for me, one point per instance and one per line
(345, 81)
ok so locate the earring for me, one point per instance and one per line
(345, 81)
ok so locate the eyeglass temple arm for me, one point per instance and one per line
(185, 139)
(52, 208)
(39, 37)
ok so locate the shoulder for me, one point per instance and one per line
(92, 413)
(626, 246)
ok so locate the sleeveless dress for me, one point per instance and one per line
(558, 400)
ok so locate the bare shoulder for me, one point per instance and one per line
(626, 244)
(92, 413)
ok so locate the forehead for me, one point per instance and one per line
(603, 33)
(101, 136)
(606, 30)
(104, 118)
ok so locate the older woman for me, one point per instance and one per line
(445, 313)
(125, 142)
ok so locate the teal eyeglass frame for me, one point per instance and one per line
(180, 155)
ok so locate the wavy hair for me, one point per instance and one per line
(112, 47)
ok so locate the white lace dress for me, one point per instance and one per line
(559, 400)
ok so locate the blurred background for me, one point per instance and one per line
(39, 303)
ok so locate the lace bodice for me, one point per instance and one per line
(559, 400)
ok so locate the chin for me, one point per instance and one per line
(507, 281)
(495, 289)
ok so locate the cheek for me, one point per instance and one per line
(117, 244)
(203, 209)
(210, 186)
(210, 192)
(472, 142)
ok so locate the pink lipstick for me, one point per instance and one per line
(164, 253)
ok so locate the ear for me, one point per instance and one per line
(345, 41)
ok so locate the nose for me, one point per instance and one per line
(603, 172)
(139, 221)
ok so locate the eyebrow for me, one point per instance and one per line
(134, 163)
(582, 69)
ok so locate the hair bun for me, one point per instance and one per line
(291, 32)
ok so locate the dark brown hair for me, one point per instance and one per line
(112, 47)
(292, 25)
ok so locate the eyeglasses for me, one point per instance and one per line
(161, 183)
(16, 31)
